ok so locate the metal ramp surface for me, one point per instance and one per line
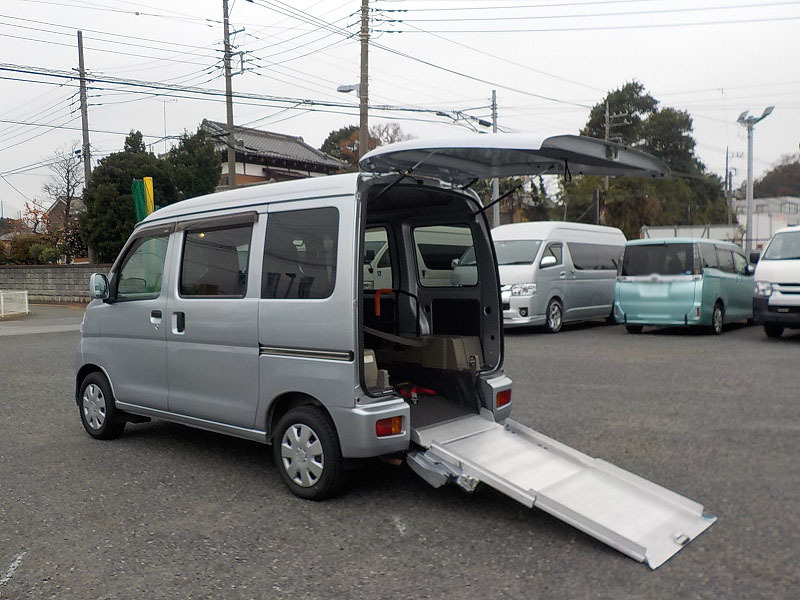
(637, 517)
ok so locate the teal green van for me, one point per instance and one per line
(680, 281)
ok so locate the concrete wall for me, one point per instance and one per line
(50, 283)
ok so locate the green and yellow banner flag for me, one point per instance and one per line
(142, 192)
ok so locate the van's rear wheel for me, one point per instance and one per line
(307, 453)
(772, 330)
(555, 316)
(717, 318)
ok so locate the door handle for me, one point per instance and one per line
(562, 275)
(156, 314)
(155, 318)
(178, 323)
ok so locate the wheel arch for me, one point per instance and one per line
(86, 370)
(285, 402)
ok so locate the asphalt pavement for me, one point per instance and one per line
(171, 512)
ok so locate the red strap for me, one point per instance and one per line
(378, 294)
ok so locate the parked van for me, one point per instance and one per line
(776, 304)
(681, 281)
(553, 273)
(246, 313)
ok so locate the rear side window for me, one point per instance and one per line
(725, 258)
(594, 256)
(709, 256)
(438, 246)
(215, 261)
(300, 254)
(139, 277)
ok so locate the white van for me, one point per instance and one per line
(554, 272)
(246, 313)
(776, 304)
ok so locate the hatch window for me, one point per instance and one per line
(658, 259)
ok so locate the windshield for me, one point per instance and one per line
(784, 246)
(660, 259)
(516, 252)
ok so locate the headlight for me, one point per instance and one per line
(763, 288)
(523, 289)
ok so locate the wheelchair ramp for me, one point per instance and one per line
(637, 517)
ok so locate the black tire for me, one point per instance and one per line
(717, 319)
(773, 330)
(634, 328)
(99, 415)
(307, 453)
(554, 316)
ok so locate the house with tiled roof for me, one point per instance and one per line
(263, 156)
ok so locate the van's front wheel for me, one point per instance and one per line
(555, 316)
(99, 415)
(307, 453)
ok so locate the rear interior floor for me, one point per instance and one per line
(436, 409)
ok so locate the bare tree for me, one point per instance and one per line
(64, 184)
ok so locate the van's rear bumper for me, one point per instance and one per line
(356, 428)
(778, 314)
(669, 320)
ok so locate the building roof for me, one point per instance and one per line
(270, 145)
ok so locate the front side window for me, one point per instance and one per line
(215, 261)
(439, 251)
(141, 273)
(556, 250)
(300, 254)
(740, 263)
(658, 259)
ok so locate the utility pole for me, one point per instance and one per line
(608, 129)
(363, 87)
(749, 123)
(85, 148)
(87, 162)
(229, 99)
(495, 180)
(727, 187)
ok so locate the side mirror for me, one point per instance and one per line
(369, 256)
(548, 261)
(749, 270)
(755, 257)
(98, 286)
(454, 263)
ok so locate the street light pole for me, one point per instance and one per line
(363, 90)
(749, 122)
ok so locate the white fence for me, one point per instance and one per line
(12, 303)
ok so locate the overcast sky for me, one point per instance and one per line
(549, 60)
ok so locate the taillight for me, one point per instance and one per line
(503, 398)
(390, 426)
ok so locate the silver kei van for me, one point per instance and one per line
(246, 313)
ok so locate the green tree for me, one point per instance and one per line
(190, 169)
(195, 165)
(782, 180)
(690, 196)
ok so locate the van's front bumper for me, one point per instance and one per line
(356, 428)
(518, 311)
(778, 310)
